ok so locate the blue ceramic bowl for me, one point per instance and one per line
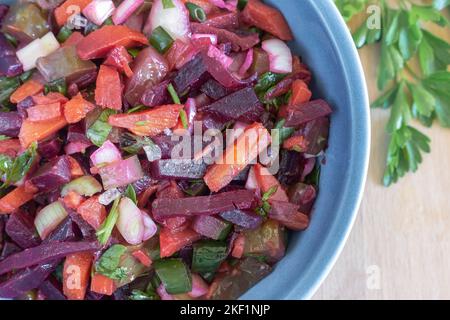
(326, 46)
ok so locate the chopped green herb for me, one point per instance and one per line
(137, 108)
(108, 264)
(184, 120)
(134, 144)
(141, 123)
(242, 4)
(58, 85)
(11, 39)
(131, 193)
(168, 4)
(196, 12)
(64, 33)
(161, 40)
(173, 94)
(141, 295)
(15, 169)
(99, 131)
(134, 52)
(107, 227)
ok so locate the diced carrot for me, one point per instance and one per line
(75, 169)
(76, 272)
(69, 8)
(296, 143)
(120, 59)
(148, 123)
(72, 200)
(246, 148)
(108, 91)
(267, 181)
(100, 42)
(300, 92)
(93, 212)
(37, 131)
(77, 109)
(179, 54)
(238, 247)
(10, 147)
(15, 199)
(52, 97)
(102, 284)
(267, 18)
(29, 88)
(44, 112)
(142, 257)
(73, 39)
(171, 242)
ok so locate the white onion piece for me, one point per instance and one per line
(174, 20)
(199, 287)
(107, 153)
(130, 222)
(150, 227)
(49, 218)
(36, 49)
(247, 63)
(212, 37)
(99, 10)
(125, 10)
(109, 196)
(252, 183)
(280, 55)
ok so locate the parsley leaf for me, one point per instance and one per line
(109, 263)
(15, 169)
(131, 193)
(107, 227)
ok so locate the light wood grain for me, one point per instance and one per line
(402, 231)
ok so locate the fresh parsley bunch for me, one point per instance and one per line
(424, 95)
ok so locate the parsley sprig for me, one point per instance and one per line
(422, 95)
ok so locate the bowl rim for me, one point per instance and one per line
(334, 23)
(334, 241)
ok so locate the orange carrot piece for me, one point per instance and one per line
(246, 148)
(73, 200)
(143, 257)
(267, 18)
(266, 181)
(108, 91)
(73, 39)
(10, 147)
(69, 8)
(296, 143)
(102, 284)
(238, 247)
(29, 88)
(15, 199)
(93, 212)
(75, 169)
(77, 108)
(52, 97)
(44, 112)
(173, 241)
(120, 59)
(300, 93)
(148, 123)
(37, 131)
(76, 272)
(100, 42)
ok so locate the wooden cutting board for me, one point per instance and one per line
(399, 247)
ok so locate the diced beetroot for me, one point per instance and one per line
(9, 64)
(204, 205)
(20, 228)
(223, 20)
(316, 134)
(214, 90)
(303, 195)
(64, 232)
(211, 227)
(166, 145)
(191, 76)
(52, 175)
(52, 289)
(290, 167)
(50, 148)
(77, 133)
(240, 40)
(300, 114)
(246, 219)
(10, 123)
(26, 280)
(149, 68)
(288, 214)
(45, 253)
(23, 105)
(156, 95)
(171, 190)
(121, 173)
(242, 105)
(177, 169)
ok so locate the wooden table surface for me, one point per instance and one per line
(399, 247)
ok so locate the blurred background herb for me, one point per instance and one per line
(413, 73)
